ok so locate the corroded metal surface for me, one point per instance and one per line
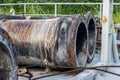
(32, 40)
(78, 42)
(57, 41)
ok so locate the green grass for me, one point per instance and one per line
(116, 18)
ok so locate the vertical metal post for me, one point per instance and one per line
(25, 8)
(114, 47)
(100, 10)
(107, 31)
(55, 10)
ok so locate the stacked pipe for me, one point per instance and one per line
(92, 31)
(7, 57)
(62, 41)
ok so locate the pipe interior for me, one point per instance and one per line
(5, 63)
(81, 44)
(92, 37)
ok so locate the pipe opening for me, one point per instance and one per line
(92, 37)
(81, 44)
(6, 66)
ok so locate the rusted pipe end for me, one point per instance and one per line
(7, 58)
(92, 35)
(71, 45)
(79, 39)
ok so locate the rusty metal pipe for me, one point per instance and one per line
(92, 31)
(58, 41)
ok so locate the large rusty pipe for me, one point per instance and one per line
(58, 41)
(92, 31)
(7, 57)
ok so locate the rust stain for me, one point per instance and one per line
(72, 58)
(105, 19)
(111, 26)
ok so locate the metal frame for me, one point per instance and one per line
(55, 5)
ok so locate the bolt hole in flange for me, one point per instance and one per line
(7, 61)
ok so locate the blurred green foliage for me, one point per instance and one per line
(61, 9)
